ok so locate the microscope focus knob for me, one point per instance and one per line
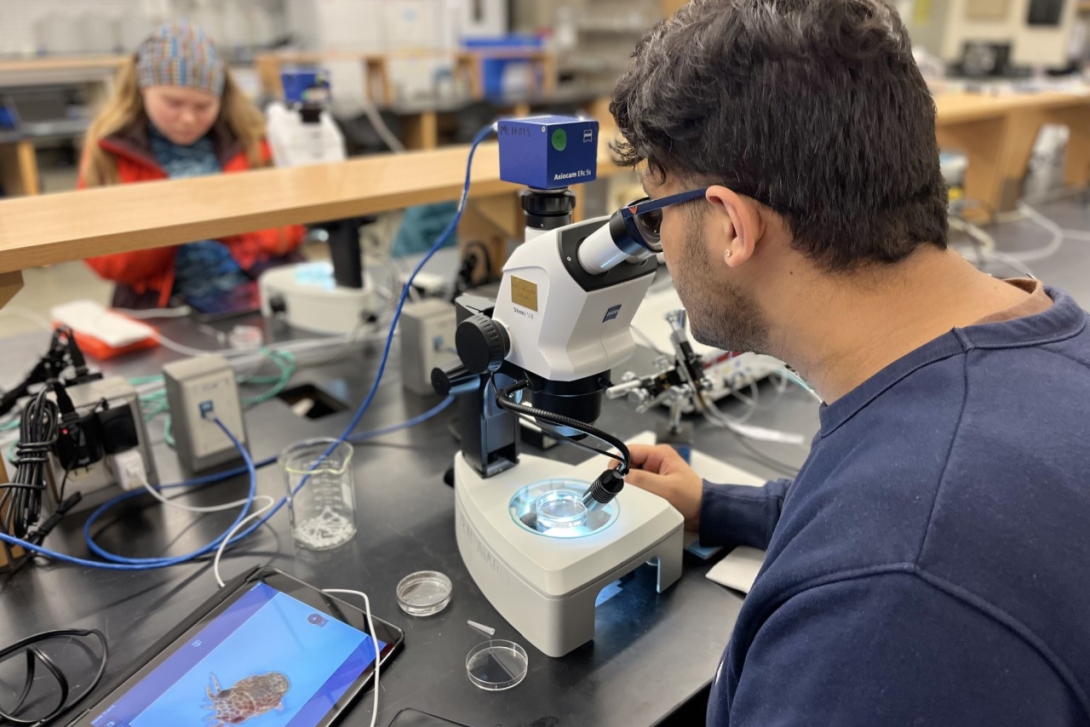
(454, 379)
(482, 344)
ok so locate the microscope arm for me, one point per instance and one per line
(560, 323)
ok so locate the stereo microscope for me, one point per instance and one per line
(541, 538)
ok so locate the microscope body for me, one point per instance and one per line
(552, 324)
(544, 349)
(564, 323)
(562, 331)
(327, 296)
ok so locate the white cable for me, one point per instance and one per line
(147, 313)
(190, 351)
(647, 341)
(383, 131)
(1048, 250)
(191, 508)
(789, 375)
(27, 314)
(984, 248)
(366, 601)
(374, 638)
(782, 382)
(987, 242)
(231, 533)
(248, 355)
(401, 275)
(1012, 262)
(750, 401)
(750, 431)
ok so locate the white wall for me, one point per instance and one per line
(19, 18)
(80, 26)
(1031, 45)
(482, 17)
(393, 24)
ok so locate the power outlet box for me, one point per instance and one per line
(427, 341)
(95, 482)
(197, 389)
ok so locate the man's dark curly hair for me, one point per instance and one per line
(814, 108)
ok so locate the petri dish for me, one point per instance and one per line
(497, 665)
(560, 509)
(554, 509)
(424, 593)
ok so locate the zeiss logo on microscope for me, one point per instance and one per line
(612, 314)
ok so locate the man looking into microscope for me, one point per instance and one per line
(928, 565)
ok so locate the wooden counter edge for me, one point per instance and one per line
(25, 244)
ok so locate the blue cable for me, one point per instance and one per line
(149, 563)
(442, 240)
(362, 436)
(121, 563)
(418, 419)
(439, 243)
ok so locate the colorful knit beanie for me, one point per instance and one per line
(180, 54)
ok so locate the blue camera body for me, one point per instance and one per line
(548, 152)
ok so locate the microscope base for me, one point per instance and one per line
(546, 587)
(307, 298)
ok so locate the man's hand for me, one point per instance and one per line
(661, 471)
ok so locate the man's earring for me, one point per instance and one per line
(729, 253)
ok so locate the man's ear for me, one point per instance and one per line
(741, 223)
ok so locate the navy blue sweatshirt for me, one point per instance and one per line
(930, 564)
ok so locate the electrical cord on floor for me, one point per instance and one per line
(34, 655)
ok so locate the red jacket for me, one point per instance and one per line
(153, 270)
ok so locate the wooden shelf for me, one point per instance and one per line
(62, 63)
(48, 229)
(468, 67)
(955, 108)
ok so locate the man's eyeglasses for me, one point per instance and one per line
(643, 218)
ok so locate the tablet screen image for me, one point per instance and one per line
(267, 660)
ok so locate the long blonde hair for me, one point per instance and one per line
(125, 110)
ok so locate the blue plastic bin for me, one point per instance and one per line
(494, 68)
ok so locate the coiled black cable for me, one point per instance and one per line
(21, 501)
(29, 646)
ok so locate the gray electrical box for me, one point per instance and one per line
(427, 341)
(200, 390)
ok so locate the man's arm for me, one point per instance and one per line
(887, 649)
(741, 514)
(722, 514)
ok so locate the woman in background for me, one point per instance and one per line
(176, 112)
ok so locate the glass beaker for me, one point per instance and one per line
(321, 500)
